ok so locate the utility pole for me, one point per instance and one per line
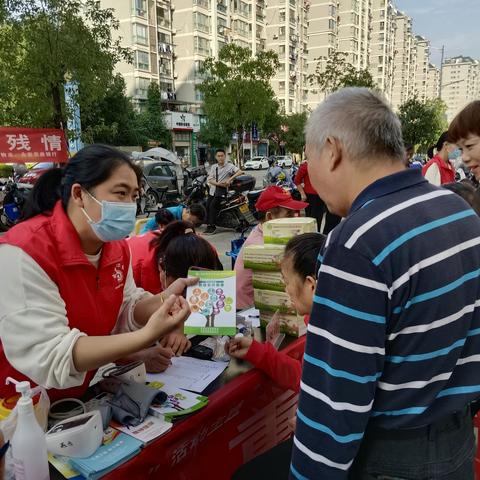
(441, 72)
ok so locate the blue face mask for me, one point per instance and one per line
(454, 154)
(117, 221)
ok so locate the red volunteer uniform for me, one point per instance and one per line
(93, 297)
(302, 177)
(144, 263)
(447, 172)
(281, 368)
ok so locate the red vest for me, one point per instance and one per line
(93, 297)
(144, 263)
(447, 172)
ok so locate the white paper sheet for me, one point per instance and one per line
(189, 373)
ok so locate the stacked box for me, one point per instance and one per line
(292, 325)
(281, 230)
(268, 283)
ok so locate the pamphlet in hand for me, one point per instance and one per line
(179, 402)
(212, 302)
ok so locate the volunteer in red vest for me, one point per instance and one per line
(69, 303)
(439, 170)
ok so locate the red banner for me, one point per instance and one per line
(29, 145)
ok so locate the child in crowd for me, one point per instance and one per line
(170, 255)
(299, 273)
(195, 214)
(274, 202)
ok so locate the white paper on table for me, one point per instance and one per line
(251, 312)
(189, 373)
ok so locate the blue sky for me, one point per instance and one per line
(453, 23)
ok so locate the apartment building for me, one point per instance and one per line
(422, 52)
(383, 45)
(433, 82)
(145, 28)
(460, 83)
(286, 32)
(404, 60)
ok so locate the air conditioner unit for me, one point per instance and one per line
(174, 31)
(275, 37)
(172, 8)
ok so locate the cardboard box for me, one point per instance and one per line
(263, 257)
(268, 281)
(281, 230)
(292, 325)
(271, 301)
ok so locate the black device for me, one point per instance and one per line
(200, 351)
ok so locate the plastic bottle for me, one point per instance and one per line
(29, 446)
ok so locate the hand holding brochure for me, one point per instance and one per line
(212, 302)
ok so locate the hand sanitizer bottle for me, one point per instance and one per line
(29, 446)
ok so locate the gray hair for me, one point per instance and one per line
(361, 120)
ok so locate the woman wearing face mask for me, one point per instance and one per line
(439, 169)
(67, 281)
(298, 271)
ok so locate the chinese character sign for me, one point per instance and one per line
(22, 145)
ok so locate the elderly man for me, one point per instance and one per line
(393, 345)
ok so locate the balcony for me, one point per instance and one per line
(165, 49)
(202, 27)
(164, 70)
(202, 3)
(163, 22)
(222, 8)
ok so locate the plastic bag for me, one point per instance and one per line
(42, 407)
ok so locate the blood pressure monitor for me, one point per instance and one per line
(78, 436)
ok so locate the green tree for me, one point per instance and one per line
(112, 119)
(335, 72)
(47, 43)
(237, 90)
(151, 123)
(293, 132)
(422, 122)
(214, 135)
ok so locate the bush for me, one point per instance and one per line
(6, 170)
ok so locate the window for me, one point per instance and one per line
(140, 8)
(281, 49)
(282, 16)
(163, 17)
(142, 87)
(221, 26)
(281, 33)
(160, 171)
(281, 86)
(281, 68)
(164, 67)
(143, 60)
(163, 37)
(202, 46)
(292, 16)
(332, 24)
(140, 34)
(201, 22)
(198, 95)
(332, 10)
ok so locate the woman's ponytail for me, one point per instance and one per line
(47, 191)
(170, 232)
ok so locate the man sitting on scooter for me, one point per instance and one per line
(274, 202)
(220, 177)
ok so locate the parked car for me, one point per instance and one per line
(159, 175)
(34, 173)
(256, 163)
(284, 161)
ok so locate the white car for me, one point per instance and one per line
(256, 163)
(284, 161)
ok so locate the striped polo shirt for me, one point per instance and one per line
(394, 334)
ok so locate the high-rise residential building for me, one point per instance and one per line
(145, 28)
(353, 32)
(460, 83)
(287, 35)
(383, 45)
(404, 62)
(422, 47)
(433, 82)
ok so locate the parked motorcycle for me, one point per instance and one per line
(14, 198)
(234, 211)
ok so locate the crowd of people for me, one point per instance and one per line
(390, 291)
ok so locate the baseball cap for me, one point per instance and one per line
(274, 196)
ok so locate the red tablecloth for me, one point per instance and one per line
(244, 418)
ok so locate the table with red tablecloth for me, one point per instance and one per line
(246, 415)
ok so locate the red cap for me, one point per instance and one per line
(275, 196)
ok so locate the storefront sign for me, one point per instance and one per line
(182, 121)
(22, 145)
